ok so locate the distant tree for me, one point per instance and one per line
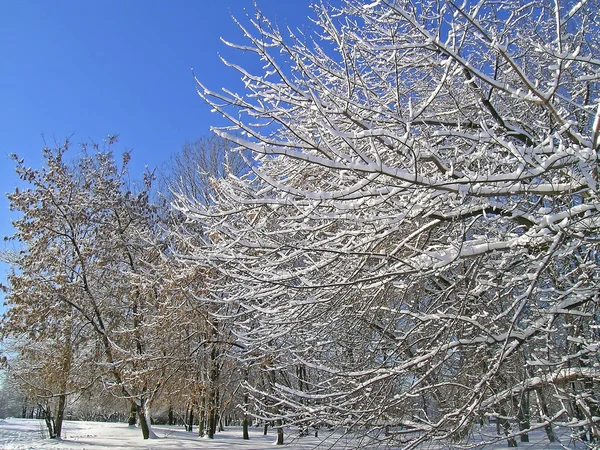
(420, 228)
(192, 173)
(12, 399)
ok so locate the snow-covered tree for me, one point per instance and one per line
(86, 273)
(419, 231)
(12, 400)
(211, 378)
(50, 360)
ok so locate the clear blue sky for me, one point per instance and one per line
(94, 68)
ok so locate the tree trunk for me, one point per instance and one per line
(210, 425)
(523, 415)
(132, 415)
(510, 440)
(201, 423)
(189, 425)
(217, 415)
(144, 413)
(144, 424)
(212, 394)
(202, 415)
(279, 425)
(60, 414)
(545, 414)
(50, 425)
(67, 360)
(211, 408)
(245, 434)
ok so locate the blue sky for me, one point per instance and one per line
(88, 69)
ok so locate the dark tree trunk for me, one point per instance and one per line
(132, 415)
(202, 416)
(510, 440)
(302, 386)
(279, 425)
(201, 423)
(210, 425)
(212, 394)
(245, 434)
(523, 416)
(190, 421)
(143, 422)
(49, 420)
(171, 418)
(60, 414)
(217, 417)
(545, 414)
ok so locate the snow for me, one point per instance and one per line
(28, 434)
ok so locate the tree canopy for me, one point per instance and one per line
(420, 231)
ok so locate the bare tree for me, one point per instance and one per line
(193, 173)
(189, 172)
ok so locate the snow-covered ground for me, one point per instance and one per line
(28, 434)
